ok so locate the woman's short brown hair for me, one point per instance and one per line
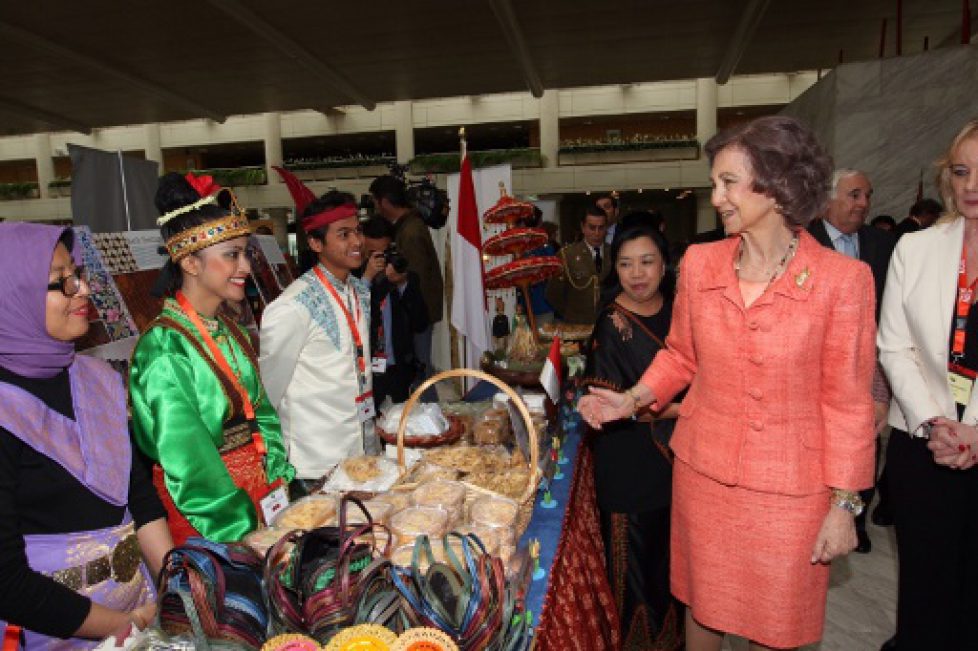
(788, 164)
(969, 130)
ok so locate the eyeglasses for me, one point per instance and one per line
(71, 284)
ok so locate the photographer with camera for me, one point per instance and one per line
(414, 241)
(397, 312)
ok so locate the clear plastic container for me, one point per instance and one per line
(307, 513)
(261, 540)
(417, 520)
(443, 494)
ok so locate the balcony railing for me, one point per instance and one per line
(340, 167)
(628, 151)
(449, 163)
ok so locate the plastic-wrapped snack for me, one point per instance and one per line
(307, 513)
(496, 512)
(428, 471)
(443, 494)
(510, 482)
(261, 540)
(493, 428)
(379, 509)
(416, 520)
(489, 536)
(399, 500)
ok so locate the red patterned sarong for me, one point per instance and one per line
(247, 469)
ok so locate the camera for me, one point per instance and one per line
(395, 258)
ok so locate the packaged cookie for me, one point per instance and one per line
(399, 500)
(498, 513)
(379, 510)
(488, 536)
(443, 494)
(261, 540)
(493, 428)
(416, 520)
(307, 513)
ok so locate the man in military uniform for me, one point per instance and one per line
(574, 293)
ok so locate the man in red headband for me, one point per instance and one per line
(315, 346)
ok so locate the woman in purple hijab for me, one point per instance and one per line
(80, 520)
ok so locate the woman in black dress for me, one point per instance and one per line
(632, 464)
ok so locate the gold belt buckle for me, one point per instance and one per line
(125, 559)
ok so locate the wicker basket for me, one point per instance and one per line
(474, 492)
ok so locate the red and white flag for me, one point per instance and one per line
(550, 378)
(469, 314)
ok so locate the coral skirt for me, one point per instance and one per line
(741, 559)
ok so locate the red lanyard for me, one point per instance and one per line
(222, 363)
(354, 331)
(966, 295)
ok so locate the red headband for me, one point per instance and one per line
(327, 217)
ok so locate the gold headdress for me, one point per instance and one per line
(200, 236)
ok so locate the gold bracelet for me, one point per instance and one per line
(630, 393)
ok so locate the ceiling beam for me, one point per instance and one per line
(326, 73)
(517, 42)
(750, 18)
(34, 114)
(73, 57)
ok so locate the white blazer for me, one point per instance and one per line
(915, 325)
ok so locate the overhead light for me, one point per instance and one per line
(640, 190)
(588, 193)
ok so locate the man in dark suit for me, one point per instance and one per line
(923, 214)
(843, 227)
(397, 314)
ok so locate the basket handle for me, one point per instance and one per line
(534, 460)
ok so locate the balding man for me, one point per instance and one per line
(843, 227)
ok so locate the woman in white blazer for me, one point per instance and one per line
(928, 343)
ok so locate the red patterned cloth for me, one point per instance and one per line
(579, 608)
(247, 469)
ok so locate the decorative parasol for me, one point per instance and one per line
(522, 273)
(515, 241)
(507, 210)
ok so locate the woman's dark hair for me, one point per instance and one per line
(67, 238)
(173, 192)
(787, 162)
(330, 200)
(611, 285)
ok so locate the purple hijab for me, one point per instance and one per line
(26, 348)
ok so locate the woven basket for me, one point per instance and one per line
(449, 436)
(474, 492)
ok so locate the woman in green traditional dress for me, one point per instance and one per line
(198, 406)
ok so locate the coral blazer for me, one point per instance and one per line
(780, 392)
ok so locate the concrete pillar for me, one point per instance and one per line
(151, 136)
(706, 214)
(549, 128)
(44, 163)
(404, 130)
(280, 226)
(706, 109)
(273, 146)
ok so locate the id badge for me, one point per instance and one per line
(378, 364)
(365, 407)
(961, 381)
(274, 502)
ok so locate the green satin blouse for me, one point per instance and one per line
(178, 410)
